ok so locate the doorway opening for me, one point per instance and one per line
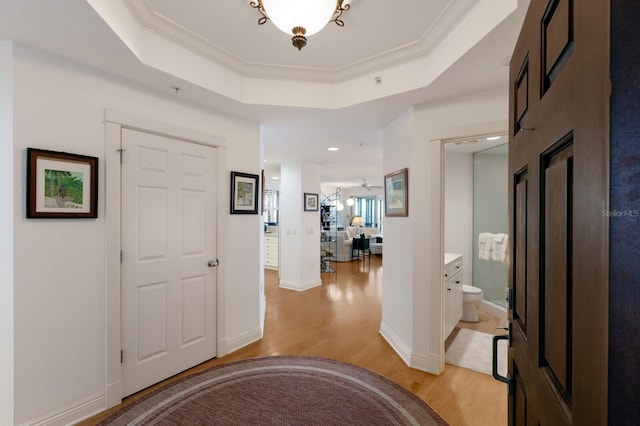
(475, 193)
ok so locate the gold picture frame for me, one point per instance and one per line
(396, 194)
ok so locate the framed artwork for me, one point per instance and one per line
(310, 202)
(244, 193)
(396, 193)
(61, 185)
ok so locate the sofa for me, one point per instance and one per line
(344, 241)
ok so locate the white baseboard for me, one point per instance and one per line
(290, 285)
(431, 363)
(243, 340)
(80, 410)
(493, 309)
(401, 349)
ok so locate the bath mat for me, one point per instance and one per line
(473, 350)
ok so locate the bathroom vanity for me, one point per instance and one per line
(452, 291)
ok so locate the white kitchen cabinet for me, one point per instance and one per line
(271, 252)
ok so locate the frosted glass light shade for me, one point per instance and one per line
(312, 15)
(350, 202)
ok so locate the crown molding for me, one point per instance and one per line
(407, 68)
(163, 26)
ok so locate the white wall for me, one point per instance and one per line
(60, 264)
(6, 231)
(474, 114)
(412, 288)
(397, 289)
(299, 230)
(458, 209)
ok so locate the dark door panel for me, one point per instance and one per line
(558, 166)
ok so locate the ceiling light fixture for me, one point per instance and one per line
(301, 18)
(333, 148)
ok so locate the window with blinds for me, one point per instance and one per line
(370, 209)
(271, 205)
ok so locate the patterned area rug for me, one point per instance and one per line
(279, 391)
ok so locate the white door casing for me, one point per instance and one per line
(168, 227)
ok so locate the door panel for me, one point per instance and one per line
(557, 38)
(519, 399)
(558, 168)
(521, 94)
(168, 236)
(151, 300)
(556, 286)
(194, 318)
(520, 253)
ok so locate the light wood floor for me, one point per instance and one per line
(340, 320)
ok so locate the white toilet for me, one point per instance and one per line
(471, 298)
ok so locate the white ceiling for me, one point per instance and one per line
(325, 95)
(227, 32)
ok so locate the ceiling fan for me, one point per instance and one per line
(368, 187)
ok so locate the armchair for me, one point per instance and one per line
(344, 243)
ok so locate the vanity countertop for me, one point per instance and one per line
(450, 257)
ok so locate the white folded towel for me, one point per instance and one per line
(499, 247)
(485, 241)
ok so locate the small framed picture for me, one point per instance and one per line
(244, 193)
(310, 202)
(61, 185)
(396, 194)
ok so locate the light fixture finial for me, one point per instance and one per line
(306, 17)
(298, 39)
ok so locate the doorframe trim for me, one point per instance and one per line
(485, 130)
(114, 122)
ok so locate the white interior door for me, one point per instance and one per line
(168, 237)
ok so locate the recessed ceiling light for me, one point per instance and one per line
(493, 138)
(333, 148)
(275, 177)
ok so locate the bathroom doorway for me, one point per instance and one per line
(475, 201)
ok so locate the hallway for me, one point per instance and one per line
(340, 320)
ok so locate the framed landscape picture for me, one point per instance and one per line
(244, 193)
(310, 202)
(396, 194)
(61, 185)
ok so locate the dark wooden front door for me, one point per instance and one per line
(558, 169)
